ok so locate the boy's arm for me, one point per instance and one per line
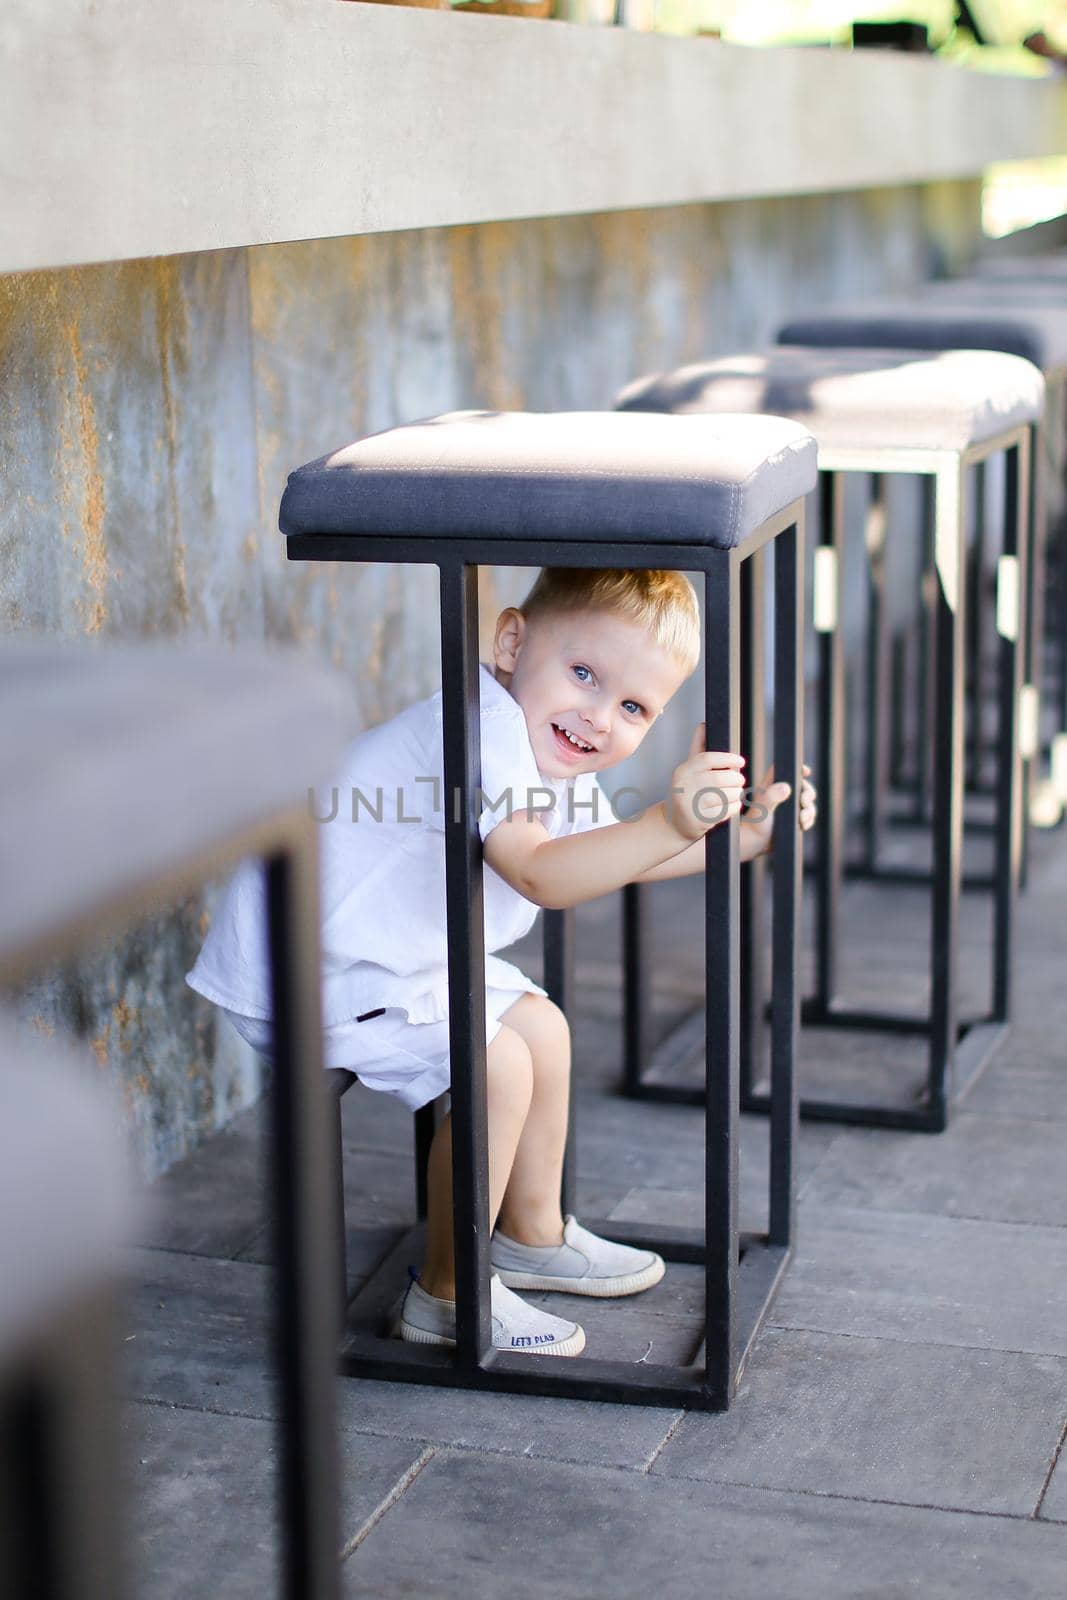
(692, 858)
(557, 873)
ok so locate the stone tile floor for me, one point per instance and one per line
(899, 1426)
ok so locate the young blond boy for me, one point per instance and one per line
(581, 670)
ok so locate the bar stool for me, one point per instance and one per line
(131, 773)
(694, 493)
(1043, 290)
(948, 317)
(881, 413)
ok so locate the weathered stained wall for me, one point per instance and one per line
(153, 409)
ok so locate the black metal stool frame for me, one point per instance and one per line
(299, 1166)
(741, 1273)
(957, 1053)
(886, 769)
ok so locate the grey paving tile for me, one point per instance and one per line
(1054, 1506)
(201, 1507)
(212, 1203)
(876, 1419)
(379, 1187)
(479, 1528)
(375, 1121)
(365, 1248)
(642, 1145)
(930, 1279)
(197, 1333)
(663, 1326)
(684, 1208)
(861, 1067)
(1008, 1169)
(200, 1339)
(1023, 1082)
(582, 1431)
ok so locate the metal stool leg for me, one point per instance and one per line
(976, 642)
(1012, 626)
(949, 557)
(338, 1081)
(425, 1126)
(466, 959)
(785, 1010)
(722, 949)
(307, 1311)
(877, 675)
(1030, 718)
(559, 983)
(926, 687)
(830, 752)
(636, 987)
(753, 884)
(900, 776)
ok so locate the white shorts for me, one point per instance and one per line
(387, 1052)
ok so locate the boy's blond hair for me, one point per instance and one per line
(662, 601)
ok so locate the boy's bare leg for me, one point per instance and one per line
(509, 1086)
(530, 1212)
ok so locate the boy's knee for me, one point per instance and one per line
(509, 1066)
(544, 1026)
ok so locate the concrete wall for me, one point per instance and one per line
(137, 129)
(153, 409)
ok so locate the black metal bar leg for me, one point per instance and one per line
(899, 777)
(877, 673)
(1012, 587)
(788, 758)
(925, 687)
(949, 556)
(722, 992)
(636, 987)
(976, 590)
(425, 1128)
(559, 983)
(338, 1082)
(830, 752)
(307, 1312)
(753, 975)
(1030, 709)
(466, 958)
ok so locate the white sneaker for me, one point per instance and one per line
(582, 1264)
(424, 1319)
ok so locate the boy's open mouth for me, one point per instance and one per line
(573, 745)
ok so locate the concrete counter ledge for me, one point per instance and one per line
(158, 127)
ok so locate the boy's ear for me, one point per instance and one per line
(508, 640)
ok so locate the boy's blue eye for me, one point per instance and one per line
(579, 667)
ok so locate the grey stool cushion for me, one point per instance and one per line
(125, 763)
(1004, 294)
(932, 321)
(1050, 268)
(860, 399)
(579, 475)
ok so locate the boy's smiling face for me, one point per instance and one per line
(592, 675)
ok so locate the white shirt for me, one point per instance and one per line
(382, 876)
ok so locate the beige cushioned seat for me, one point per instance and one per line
(859, 399)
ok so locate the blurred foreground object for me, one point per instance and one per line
(63, 1210)
(130, 773)
(909, 36)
